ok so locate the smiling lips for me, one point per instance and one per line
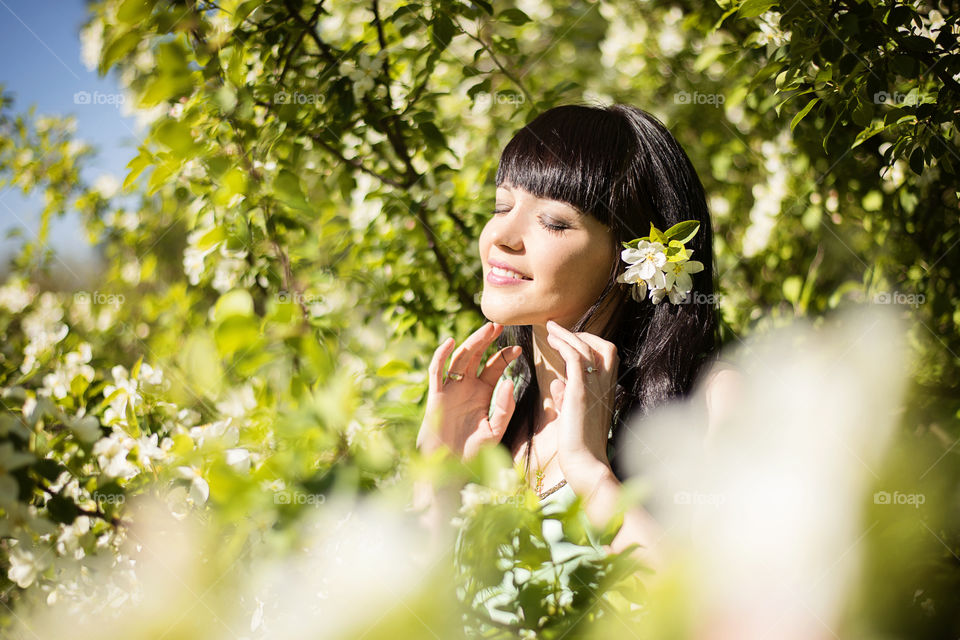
(507, 270)
(501, 273)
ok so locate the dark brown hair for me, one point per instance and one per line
(620, 165)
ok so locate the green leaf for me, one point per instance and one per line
(869, 132)
(235, 333)
(237, 302)
(171, 78)
(133, 11)
(117, 49)
(49, 469)
(791, 288)
(916, 161)
(287, 189)
(62, 510)
(486, 6)
(513, 16)
(441, 31)
(433, 135)
(803, 112)
(174, 135)
(393, 368)
(211, 238)
(682, 232)
(656, 235)
(232, 183)
(753, 8)
(136, 166)
(872, 201)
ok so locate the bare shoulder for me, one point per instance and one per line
(723, 373)
(722, 386)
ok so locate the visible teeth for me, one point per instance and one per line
(506, 272)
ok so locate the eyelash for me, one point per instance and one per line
(552, 228)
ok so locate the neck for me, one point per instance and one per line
(549, 366)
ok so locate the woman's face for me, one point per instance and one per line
(565, 258)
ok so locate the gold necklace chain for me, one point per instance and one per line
(539, 473)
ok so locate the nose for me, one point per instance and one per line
(506, 229)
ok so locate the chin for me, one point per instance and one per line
(502, 310)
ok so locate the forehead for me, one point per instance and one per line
(506, 188)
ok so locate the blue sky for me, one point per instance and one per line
(40, 47)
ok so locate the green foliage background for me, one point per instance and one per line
(307, 204)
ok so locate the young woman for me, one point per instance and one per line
(590, 354)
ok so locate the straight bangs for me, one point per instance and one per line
(574, 154)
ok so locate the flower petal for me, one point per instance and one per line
(693, 266)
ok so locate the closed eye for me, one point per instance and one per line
(552, 228)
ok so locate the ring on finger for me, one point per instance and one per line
(456, 377)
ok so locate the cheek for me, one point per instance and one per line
(482, 242)
(587, 273)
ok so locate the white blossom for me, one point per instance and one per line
(221, 430)
(43, 329)
(57, 383)
(107, 185)
(24, 567)
(199, 489)
(678, 279)
(91, 44)
(112, 453)
(239, 459)
(237, 402)
(16, 295)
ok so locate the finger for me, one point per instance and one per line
(498, 363)
(477, 355)
(436, 369)
(503, 407)
(573, 359)
(607, 350)
(556, 392)
(472, 349)
(585, 350)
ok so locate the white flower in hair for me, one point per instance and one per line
(678, 273)
(646, 259)
(660, 265)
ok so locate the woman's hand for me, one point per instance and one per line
(584, 400)
(457, 410)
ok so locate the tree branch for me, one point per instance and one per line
(493, 56)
